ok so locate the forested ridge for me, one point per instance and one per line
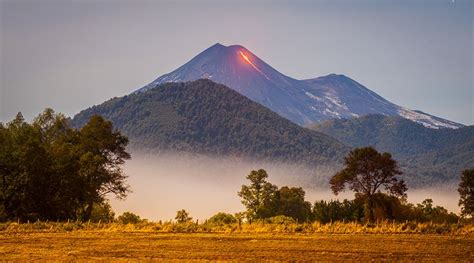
(204, 117)
(426, 155)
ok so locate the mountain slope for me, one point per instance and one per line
(346, 98)
(426, 154)
(301, 101)
(209, 118)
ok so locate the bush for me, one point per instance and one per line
(282, 220)
(102, 212)
(129, 218)
(221, 219)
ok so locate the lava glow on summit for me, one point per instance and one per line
(246, 59)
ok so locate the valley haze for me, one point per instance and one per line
(204, 185)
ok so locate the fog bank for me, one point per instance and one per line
(161, 184)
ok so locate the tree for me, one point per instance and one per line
(259, 196)
(368, 172)
(102, 152)
(182, 216)
(466, 192)
(290, 202)
(50, 171)
(25, 172)
(335, 210)
(438, 214)
(102, 212)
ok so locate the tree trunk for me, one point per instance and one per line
(369, 210)
(88, 212)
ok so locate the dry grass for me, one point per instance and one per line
(384, 227)
(138, 245)
(257, 241)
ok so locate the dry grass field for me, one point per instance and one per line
(135, 245)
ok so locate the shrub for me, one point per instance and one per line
(102, 212)
(221, 219)
(282, 220)
(129, 218)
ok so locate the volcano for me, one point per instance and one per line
(303, 102)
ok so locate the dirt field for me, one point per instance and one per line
(89, 245)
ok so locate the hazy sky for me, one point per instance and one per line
(70, 55)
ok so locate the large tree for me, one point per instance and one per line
(368, 172)
(23, 162)
(258, 196)
(101, 154)
(290, 202)
(466, 191)
(48, 170)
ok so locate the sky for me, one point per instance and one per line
(70, 55)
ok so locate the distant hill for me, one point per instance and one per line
(301, 101)
(204, 117)
(427, 155)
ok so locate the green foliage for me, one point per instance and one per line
(466, 192)
(221, 219)
(426, 155)
(386, 207)
(264, 200)
(50, 171)
(282, 220)
(102, 212)
(334, 210)
(204, 117)
(426, 212)
(290, 202)
(182, 216)
(129, 218)
(259, 196)
(367, 172)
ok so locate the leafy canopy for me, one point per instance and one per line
(368, 172)
(264, 200)
(50, 171)
(258, 196)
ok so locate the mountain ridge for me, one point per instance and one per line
(208, 118)
(424, 153)
(302, 101)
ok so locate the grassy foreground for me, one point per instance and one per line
(113, 246)
(300, 242)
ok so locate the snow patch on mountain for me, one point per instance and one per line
(336, 101)
(426, 119)
(312, 96)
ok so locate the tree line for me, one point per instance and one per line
(379, 194)
(52, 171)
